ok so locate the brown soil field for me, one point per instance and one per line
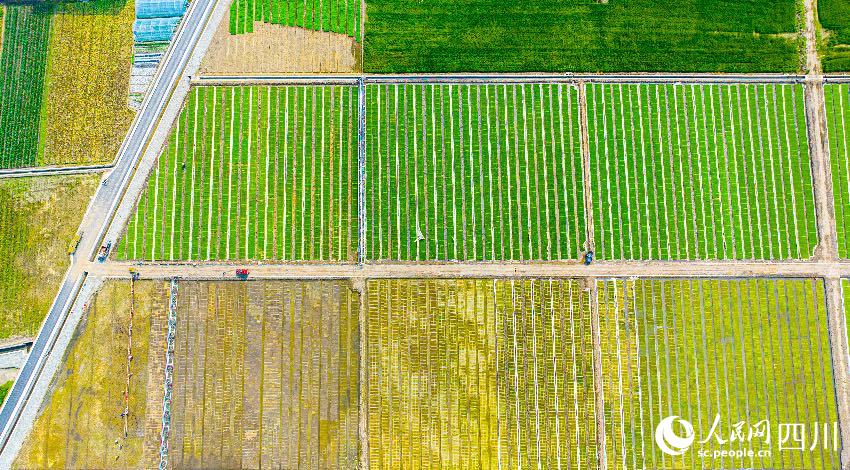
(274, 49)
(266, 375)
(80, 425)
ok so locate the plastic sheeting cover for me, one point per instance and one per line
(155, 29)
(160, 8)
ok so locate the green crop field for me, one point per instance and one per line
(834, 16)
(837, 97)
(746, 350)
(23, 57)
(267, 173)
(64, 81)
(700, 172)
(337, 16)
(479, 374)
(473, 172)
(582, 36)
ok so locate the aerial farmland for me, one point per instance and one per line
(458, 234)
(65, 83)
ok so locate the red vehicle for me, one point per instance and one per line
(242, 273)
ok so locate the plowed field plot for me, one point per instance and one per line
(838, 125)
(473, 172)
(480, 374)
(81, 423)
(741, 350)
(700, 172)
(266, 375)
(337, 16)
(265, 173)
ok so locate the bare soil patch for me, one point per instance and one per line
(280, 49)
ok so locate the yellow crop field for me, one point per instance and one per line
(38, 219)
(742, 351)
(480, 374)
(81, 423)
(85, 113)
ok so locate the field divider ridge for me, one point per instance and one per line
(840, 353)
(511, 78)
(361, 172)
(585, 165)
(599, 399)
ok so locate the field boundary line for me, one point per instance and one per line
(363, 376)
(508, 78)
(53, 170)
(840, 354)
(599, 398)
(404, 270)
(168, 380)
(819, 159)
(584, 138)
(361, 172)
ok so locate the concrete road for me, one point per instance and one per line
(103, 205)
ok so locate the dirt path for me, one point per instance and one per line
(840, 361)
(602, 269)
(585, 163)
(828, 247)
(816, 118)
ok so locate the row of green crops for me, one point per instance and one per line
(741, 350)
(23, 58)
(253, 173)
(337, 16)
(700, 172)
(837, 97)
(483, 172)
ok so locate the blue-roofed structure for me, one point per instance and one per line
(155, 29)
(160, 8)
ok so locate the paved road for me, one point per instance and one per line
(102, 207)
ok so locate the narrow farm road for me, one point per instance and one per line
(600, 269)
(828, 246)
(585, 164)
